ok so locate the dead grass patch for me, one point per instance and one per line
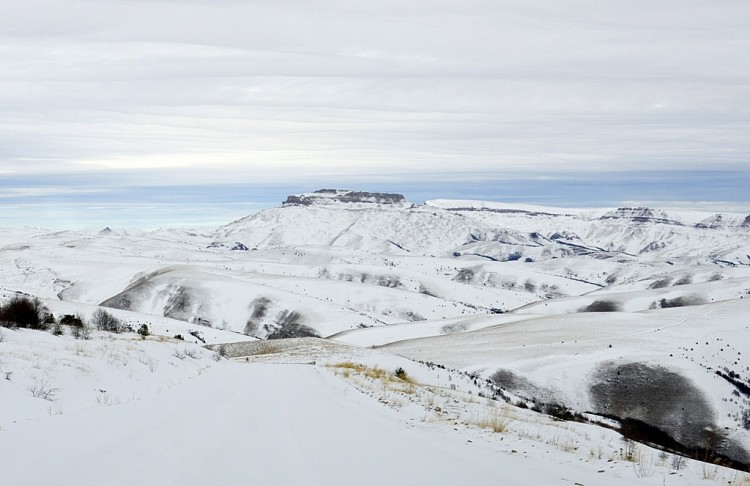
(496, 420)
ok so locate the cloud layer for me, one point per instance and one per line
(181, 93)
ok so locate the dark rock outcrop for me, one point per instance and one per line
(328, 196)
(641, 215)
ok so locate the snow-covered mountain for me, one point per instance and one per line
(334, 260)
(528, 297)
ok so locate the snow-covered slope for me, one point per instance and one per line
(583, 359)
(335, 260)
(478, 285)
(129, 411)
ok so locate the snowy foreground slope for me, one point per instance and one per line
(633, 313)
(668, 367)
(345, 419)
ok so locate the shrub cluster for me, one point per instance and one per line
(25, 312)
(601, 306)
(104, 321)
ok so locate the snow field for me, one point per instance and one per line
(205, 421)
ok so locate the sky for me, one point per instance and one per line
(156, 113)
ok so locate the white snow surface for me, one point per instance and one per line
(266, 422)
(475, 286)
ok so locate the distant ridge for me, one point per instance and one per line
(346, 196)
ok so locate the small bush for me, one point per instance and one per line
(42, 388)
(179, 336)
(293, 330)
(400, 373)
(601, 306)
(679, 302)
(143, 331)
(558, 411)
(104, 321)
(71, 320)
(57, 328)
(23, 312)
(84, 332)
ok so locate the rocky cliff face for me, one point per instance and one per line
(334, 196)
(641, 215)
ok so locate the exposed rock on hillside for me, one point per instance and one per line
(332, 196)
(641, 215)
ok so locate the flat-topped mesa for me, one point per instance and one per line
(326, 197)
(641, 215)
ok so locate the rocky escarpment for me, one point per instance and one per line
(333, 196)
(641, 215)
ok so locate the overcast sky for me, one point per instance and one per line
(145, 113)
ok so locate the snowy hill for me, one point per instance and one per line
(574, 358)
(335, 260)
(528, 297)
(159, 411)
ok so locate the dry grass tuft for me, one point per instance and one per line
(497, 420)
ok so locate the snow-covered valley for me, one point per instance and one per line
(494, 312)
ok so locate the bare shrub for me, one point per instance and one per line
(291, 327)
(258, 310)
(464, 275)
(57, 328)
(601, 306)
(84, 332)
(630, 450)
(23, 311)
(644, 467)
(680, 302)
(454, 328)
(709, 471)
(42, 388)
(71, 320)
(188, 353)
(104, 321)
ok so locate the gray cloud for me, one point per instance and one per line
(297, 91)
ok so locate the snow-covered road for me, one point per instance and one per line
(262, 424)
